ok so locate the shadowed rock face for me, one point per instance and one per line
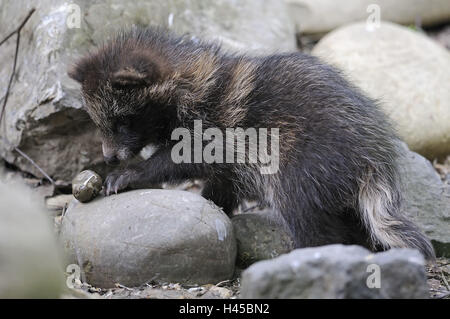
(427, 199)
(144, 235)
(44, 115)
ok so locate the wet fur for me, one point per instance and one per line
(338, 180)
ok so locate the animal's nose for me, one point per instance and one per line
(111, 160)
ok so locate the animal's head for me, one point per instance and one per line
(117, 82)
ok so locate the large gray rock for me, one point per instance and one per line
(260, 236)
(144, 235)
(427, 199)
(44, 115)
(30, 264)
(309, 14)
(408, 72)
(337, 271)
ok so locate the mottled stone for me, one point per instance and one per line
(260, 236)
(338, 271)
(86, 186)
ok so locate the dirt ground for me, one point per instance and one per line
(438, 282)
(439, 276)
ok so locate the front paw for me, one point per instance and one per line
(120, 180)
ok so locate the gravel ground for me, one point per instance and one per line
(438, 282)
(439, 275)
(224, 290)
(439, 278)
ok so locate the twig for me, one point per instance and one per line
(445, 281)
(34, 164)
(8, 36)
(123, 287)
(15, 58)
(443, 295)
(20, 27)
(8, 89)
(223, 282)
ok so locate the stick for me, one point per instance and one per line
(20, 27)
(34, 164)
(15, 58)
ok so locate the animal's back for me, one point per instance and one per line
(338, 178)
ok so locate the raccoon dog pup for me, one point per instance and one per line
(337, 180)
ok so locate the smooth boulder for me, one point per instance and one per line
(406, 71)
(309, 14)
(149, 235)
(337, 271)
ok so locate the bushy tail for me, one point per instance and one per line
(380, 207)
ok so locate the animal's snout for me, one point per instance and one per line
(111, 160)
(109, 154)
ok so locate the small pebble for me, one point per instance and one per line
(86, 186)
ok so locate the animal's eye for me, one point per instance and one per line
(125, 121)
(124, 125)
(122, 128)
(121, 124)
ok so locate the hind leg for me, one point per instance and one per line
(317, 212)
(313, 227)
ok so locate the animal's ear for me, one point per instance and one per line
(76, 73)
(129, 76)
(139, 69)
(79, 71)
